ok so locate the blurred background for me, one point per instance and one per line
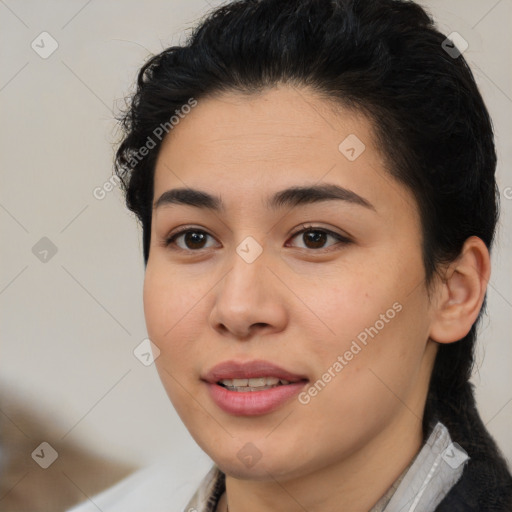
(72, 270)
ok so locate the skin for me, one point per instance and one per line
(296, 305)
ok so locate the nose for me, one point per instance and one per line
(250, 300)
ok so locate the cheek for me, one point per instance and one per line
(159, 304)
(165, 315)
(170, 303)
(169, 318)
(380, 333)
(375, 366)
(339, 300)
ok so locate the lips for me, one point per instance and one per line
(229, 386)
(250, 370)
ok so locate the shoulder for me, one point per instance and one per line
(485, 485)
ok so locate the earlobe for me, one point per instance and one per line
(461, 293)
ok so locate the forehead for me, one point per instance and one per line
(242, 146)
(294, 116)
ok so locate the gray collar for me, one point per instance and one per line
(435, 470)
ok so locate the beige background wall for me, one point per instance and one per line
(69, 325)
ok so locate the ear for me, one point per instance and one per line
(461, 292)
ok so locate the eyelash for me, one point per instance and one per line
(341, 239)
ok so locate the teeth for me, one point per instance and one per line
(257, 382)
(260, 381)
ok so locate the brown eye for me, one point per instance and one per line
(193, 239)
(316, 238)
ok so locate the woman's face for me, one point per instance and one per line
(340, 309)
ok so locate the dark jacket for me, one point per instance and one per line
(486, 483)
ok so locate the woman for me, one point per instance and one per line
(316, 186)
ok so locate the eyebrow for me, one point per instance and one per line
(290, 197)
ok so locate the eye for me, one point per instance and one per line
(194, 239)
(315, 237)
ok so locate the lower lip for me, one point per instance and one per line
(253, 403)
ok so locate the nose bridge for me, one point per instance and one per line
(247, 271)
(245, 297)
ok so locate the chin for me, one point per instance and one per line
(259, 472)
(279, 466)
(240, 472)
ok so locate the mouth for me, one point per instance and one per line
(255, 375)
(252, 388)
(253, 384)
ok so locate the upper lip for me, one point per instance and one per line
(249, 370)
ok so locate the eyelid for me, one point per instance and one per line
(315, 227)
